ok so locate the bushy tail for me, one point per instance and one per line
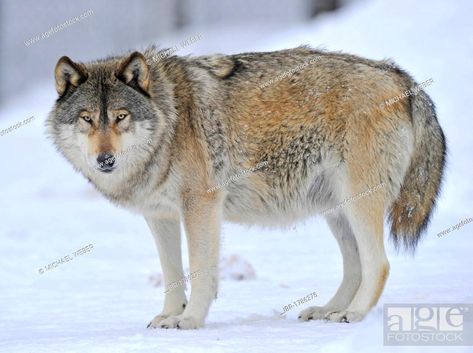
(409, 215)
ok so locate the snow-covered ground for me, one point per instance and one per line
(101, 301)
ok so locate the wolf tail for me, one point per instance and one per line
(410, 212)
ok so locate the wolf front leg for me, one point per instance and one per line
(167, 235)
(202, 225)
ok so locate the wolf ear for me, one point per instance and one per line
(67, 74)
(134, 72)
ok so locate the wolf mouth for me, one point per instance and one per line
(106, 170)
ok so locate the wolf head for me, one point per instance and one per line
(105, 120)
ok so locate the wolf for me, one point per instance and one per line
(321, 133)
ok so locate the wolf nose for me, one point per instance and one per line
(105, 160)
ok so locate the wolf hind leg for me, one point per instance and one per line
(366, 220)
(351, 270)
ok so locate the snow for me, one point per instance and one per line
(102, 300)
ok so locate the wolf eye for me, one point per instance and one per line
(120, 117)
(86, 118)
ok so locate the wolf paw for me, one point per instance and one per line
(155, 322)
(180, 322)
(314, 313)
(189, 323)
(344, 316)
(175, 310)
